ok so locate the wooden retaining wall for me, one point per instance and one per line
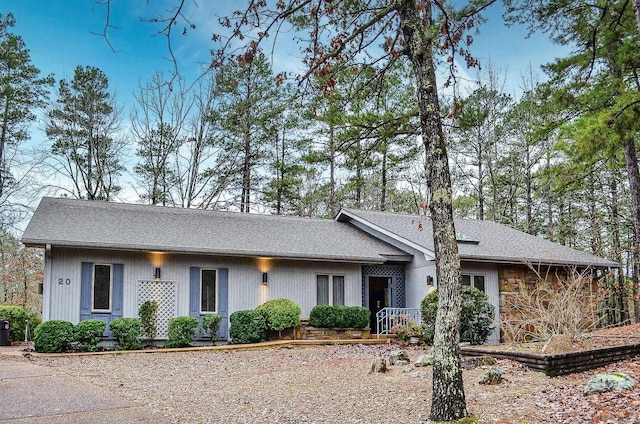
(562, 363)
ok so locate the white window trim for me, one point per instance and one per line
(216, 292)
(93, 285)
(344, 280)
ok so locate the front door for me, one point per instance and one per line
(379, 297)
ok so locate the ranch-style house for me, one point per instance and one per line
(103, 260)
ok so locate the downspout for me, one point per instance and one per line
(46, 290)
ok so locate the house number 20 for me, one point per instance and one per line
(63, 281)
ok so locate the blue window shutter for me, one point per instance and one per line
(118, 289)
(86, 272)
(194, 292)
(223, 302)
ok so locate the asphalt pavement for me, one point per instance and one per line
(32, 394)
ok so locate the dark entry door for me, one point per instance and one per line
(378, 298)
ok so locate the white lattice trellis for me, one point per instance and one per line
(163, 292)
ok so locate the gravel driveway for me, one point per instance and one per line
(327, 384)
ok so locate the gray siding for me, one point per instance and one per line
(417, 289)
(295, 280)
(416, 279)
(491, 289)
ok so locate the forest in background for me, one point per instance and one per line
(552, 160)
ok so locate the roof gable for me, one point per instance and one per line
(477, 240)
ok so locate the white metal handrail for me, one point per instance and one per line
(386, 318)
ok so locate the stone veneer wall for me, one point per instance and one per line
(510, 278)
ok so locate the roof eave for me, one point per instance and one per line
(536, 261)
(374, 259)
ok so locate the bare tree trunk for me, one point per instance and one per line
(634, 187)
(383, 182)
(529, 190)
(636, 8)
(614, 222)
(3, 141)
(332, 172)
(480, 185)
(548, 197)
(280, 173)
(448, 402)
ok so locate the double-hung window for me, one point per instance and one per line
(473, 280)
(102, 288)
(208, 291)
(330, 289)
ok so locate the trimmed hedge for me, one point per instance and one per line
(247, 327)
(326, 316)
(182, 331)
(18, 317)
(127, 332)
(53, 336)
(89, 333)
(280, 314)
(476, 320)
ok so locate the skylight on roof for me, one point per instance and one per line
(462, 238)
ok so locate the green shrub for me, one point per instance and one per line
(53, 336)
(322, 316)
(476, 320)
(89, 333)
(211, 324)
(18, 318)
(247, 327)
(280, 314)
(360, 316)
(148, 313)
(127, 332)
(326, 316)
(182, 331)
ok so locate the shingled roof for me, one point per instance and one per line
(477, 240)
(103, 225)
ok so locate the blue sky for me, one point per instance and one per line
(59, 36)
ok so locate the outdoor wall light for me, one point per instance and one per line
(429, 280)
(156, 274)
(264, 278)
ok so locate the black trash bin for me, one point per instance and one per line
(5, 325)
